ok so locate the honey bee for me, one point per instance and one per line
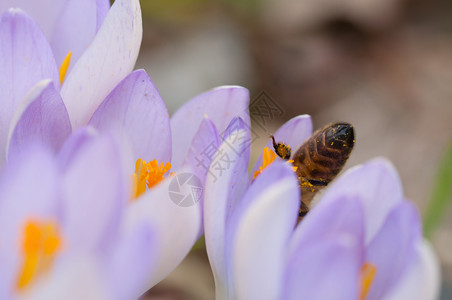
(319, 159)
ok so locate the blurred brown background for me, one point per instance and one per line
(383, 65)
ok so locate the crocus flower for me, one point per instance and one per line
(95, 92)
(62, 225)
(361, 241)
(31, 90)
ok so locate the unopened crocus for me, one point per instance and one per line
(362, 241)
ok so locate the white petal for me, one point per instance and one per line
(109, 58)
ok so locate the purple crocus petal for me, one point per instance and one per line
(217, 205)
(132, 262)
(63, 21)
(259, 256)
(202, 150)
(293, 133)
(108, 59)
(276, 172)
(73, 278)
(220, 105)
(25, 59)
(393, 249)
(324, 269)
(75, 17)
(93, 186)
(238, 134)
(73, 144)
(178, 227)
(422, 279)
(40, 118)
(44, 12)
(376, 184)
(135, 110)
(344, 215)
(28, 191)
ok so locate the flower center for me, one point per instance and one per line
(268, 157)
(65, 66)
(367, 277)
(148, 174)
(41, 244)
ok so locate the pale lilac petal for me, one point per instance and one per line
(132, 262)
(44, 12)
(220, 105)
(272, 175)
(28, 191)
(136, 112)
(324, 269)
(238, 136)
(177, 227)
(344, 215)
(73, 144)
(75, 278)
(422, 279)
(108, 59)
(75, 27)
(94, 192)
(260, 249)
(376, 184)
(25, 59)
(217, 205)
(203, 149)
(40, 118)
(392, 250)
(67, 25)
(293, 133)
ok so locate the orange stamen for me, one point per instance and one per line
(368, 272)
(41, 244)
(65, 66)
(148, 174)
(268, 157)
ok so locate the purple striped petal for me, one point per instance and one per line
(377, 185)
(108, 59)
(136, 112)
(393, 249)
(293, 133)
(25, 59)
(220, 105)
(262, 238)
(40, 118)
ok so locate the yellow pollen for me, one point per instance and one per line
(367, 277)
(268, 157)
(147, 174)
(65, 66)
(41, 244)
